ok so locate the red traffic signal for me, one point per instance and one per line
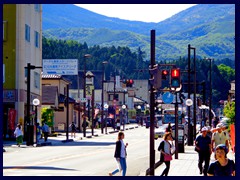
(175, 78)
(129, 82)
(164, 74)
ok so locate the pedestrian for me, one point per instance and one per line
(120, 155)
(222, 166)
(19, 135)
(169, 128)
(203, 147)
(45, 130)
(73, 129)
(219, 137)
(39, 132)
(165, 152)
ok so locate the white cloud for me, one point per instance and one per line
(139, 12)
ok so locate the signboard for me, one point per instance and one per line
(167, 98)
(60, 66)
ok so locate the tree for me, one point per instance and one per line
(229, 111)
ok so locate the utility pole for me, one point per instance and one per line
(152, 113)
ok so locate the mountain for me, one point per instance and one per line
(208, 27)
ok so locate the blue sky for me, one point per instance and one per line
(139, 12)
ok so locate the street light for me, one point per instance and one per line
(106, 107)
(36, 102)
(84, 93)
(210, 91)
(124, 107)
(103, 63)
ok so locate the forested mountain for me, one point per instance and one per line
(208, 27)
(130, 64)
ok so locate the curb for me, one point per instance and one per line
(69, 140)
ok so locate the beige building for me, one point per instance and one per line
(22, 44)
(53, 97)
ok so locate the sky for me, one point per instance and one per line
(139, 12)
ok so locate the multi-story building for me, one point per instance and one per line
(22, 44)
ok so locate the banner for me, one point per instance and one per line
(11, 118)
(232, 134)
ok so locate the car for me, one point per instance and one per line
(159, 132)
(158, 121)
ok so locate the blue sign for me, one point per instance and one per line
(167, 97)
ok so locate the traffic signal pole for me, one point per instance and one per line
(152, 113)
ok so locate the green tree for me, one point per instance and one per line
(229, 111)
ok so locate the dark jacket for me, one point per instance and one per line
(117, 153)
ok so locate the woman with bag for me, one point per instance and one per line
(120, 155)
(166, 152)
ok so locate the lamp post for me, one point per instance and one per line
(29, 126)
(84, 94)
(191, 133)
(103, 63)
(36, 102)
(78, 84)
(210, 91)
(124, 107)
(105, 107)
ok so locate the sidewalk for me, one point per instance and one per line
(186, 164)
(62, 139)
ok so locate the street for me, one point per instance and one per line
(87, 157)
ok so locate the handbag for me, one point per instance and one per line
(196, 149)
(167, 157)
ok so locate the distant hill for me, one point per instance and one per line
(208, 27)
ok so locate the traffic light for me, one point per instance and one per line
(175, 78)
(129, 82)
(164, 74)
(156, 80)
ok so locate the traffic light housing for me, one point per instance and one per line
(165, 74)
(175, 78)
(129, 82)
(156, 80)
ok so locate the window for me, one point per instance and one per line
(36, 80)
(37, 7)
(27, 32)
(4, 30)
(37, 39)
(110, 97)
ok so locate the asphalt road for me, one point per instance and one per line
(87, 157)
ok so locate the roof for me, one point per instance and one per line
(49, 94)
(55, 76)
(62, 98)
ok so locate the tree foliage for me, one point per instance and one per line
(229, 111)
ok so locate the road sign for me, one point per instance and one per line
(60, 66)
(167, 98)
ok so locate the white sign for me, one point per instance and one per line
(60, 66)
(167, 106)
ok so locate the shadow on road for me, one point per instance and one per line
(37, 167)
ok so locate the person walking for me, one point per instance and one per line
(165, 152)
(19, 135)
(219, 137)
(73, 129)
(169, 128)
(120, 155)
(39, 132)
(222, 166)
(45, 130)
(203, 147)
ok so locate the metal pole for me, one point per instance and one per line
(189, 92)
(102, 98)
(204, 98)
(124, 111)
(36, 122)
(115, 101)
(176, 126)
(80, 128)
(84, 96)
(210, 96)
(194, 96)
(152, 113)
(67, 108)
(93, 112)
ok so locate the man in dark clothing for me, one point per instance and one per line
(203, 146)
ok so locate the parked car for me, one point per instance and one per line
(158, 121)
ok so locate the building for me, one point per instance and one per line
(22, 44)
(54, 93)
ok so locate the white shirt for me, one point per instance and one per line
(18, 132)
(219, 138)
(167, 147)
(123, 150)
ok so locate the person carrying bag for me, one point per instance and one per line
(166, 151)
